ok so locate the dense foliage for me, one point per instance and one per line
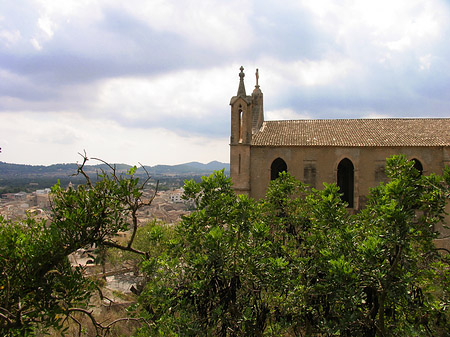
(296, 263)
(38, 286)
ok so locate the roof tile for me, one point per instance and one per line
(355, 132)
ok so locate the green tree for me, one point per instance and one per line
(398, 265)
(205, 283)
(315, 230)
(295, 263)
(38, 286)
(375, 273)
(298, 263)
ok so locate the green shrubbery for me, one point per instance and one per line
(295, 263)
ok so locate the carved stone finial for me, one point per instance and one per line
(241, 90)
(257, 78)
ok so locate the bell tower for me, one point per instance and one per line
(247, 117)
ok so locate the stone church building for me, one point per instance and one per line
(349, 152)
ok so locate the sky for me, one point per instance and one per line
(150, 81)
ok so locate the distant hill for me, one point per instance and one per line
(17, 177)
(195, 168)
(192, 168)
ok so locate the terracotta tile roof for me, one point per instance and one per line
(355, 132)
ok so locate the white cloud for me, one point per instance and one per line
(394, 25)
(64, 10)
(324, 72)
(28, 138)
(150, 81)
(375, 115)
(218, 25)
(9, 38)
(47, 26)
(221, 25)
(36, 44)
(283, 114)
(50, 17)
(192, 94)
(425, 62)
(306, 73)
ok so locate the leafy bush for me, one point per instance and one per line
(298, 263)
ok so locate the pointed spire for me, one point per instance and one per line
(241, 90)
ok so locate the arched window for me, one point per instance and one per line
(418, 165)
(278, 166)
(241, 124)
(346, 180)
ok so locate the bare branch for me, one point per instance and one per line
(80, 169)
(125, 248)
(100, 294)
(133, 234)
(99, 326)
(143, 167)
(154, 194)
(443, 249)
(91, 317)
(148, 176)
(6, 311)
(80, 327)
(8, 289)
(113, 168)
(127, 319)
(6, 318)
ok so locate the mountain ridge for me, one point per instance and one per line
(195, 168)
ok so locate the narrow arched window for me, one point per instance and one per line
(418, 166)
(241, 124)
(278, 166)
(346, 180)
